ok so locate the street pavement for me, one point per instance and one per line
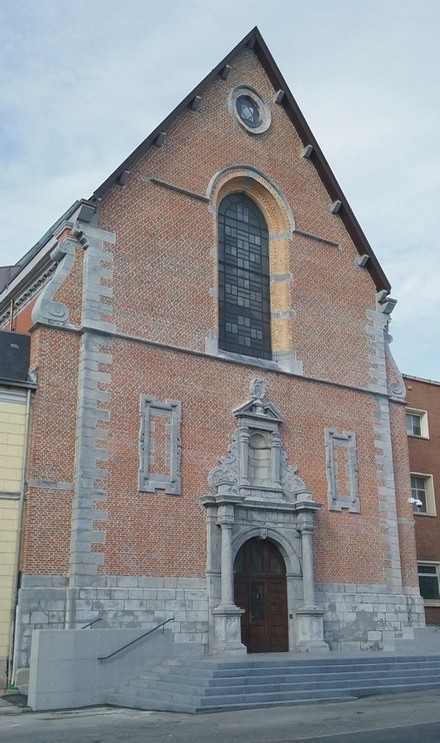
(394, 718)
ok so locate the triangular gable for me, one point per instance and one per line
(255, 41)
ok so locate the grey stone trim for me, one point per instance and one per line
(279, 236)
(94, 272)
(149, 481)
(46, 310)
(211, 342)
(176, 189)
(91, 461)
(336, 499)
(49, 484)
(9, 496)
(397, 389)
(316, 238)
(252, 174)
(387, 494)
(264, 110)
(255, 492)
(288, 362)
(29, 293)
(289, 314)
(376, 328)
(274, 277)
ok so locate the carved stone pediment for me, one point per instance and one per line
(256, 465)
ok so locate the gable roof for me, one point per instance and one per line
(255, 41)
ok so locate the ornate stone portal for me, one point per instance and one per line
(256, 493)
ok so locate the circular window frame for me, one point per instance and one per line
(263, 108)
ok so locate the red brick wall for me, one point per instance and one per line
(163, 272)
(163, 268)
(52, 450)
(160, 534)
(424, 457)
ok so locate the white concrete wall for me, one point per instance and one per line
(65, 671)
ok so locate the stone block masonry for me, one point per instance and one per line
(368, 617)
(128, 602)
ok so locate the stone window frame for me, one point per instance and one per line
(429, 564)
(422, 415)
(336, 501)
(429, 494)
(149, 481)
(265, 117)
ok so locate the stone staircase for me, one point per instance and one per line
(211, 684)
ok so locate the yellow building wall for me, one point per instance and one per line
(12, 453)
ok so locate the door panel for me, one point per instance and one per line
(260, 589)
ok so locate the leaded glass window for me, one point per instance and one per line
(244, 294)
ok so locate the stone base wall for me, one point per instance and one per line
(357, 617)
(368, 617)
(130, 602)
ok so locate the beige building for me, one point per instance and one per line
(14, 413)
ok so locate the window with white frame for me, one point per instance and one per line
(429, 582)
(417, 423)
(422, 494)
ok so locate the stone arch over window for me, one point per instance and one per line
(265, 195)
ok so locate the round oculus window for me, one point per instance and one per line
(250, 110)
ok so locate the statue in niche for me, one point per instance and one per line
(258, 389)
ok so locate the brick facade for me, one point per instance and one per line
(423, 395)
(131, 313)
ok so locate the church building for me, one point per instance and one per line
(217, 433)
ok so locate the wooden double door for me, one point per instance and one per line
(260, 589)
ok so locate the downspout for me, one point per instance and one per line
(18, 549)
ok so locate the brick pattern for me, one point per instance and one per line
(148, 306)
(424, 458)
(173, 257)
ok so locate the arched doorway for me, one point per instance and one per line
(260, 589)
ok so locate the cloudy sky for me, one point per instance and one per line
(83, 82)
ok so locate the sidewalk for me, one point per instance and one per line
(289, 724)
(12, 703)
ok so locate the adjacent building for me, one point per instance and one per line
(218, 430)
(423, 428)
(15, 397)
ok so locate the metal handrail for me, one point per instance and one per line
(99, 619)
(141, 637)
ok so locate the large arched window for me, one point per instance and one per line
(243, 264)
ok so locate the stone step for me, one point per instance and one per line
(197, 685)
(295, 662)
(278, 685)
(188, 703)
(292, 670)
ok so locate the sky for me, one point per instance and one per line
(83, 82)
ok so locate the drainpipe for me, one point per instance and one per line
(15, 581)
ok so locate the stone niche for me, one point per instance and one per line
(255, 492)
